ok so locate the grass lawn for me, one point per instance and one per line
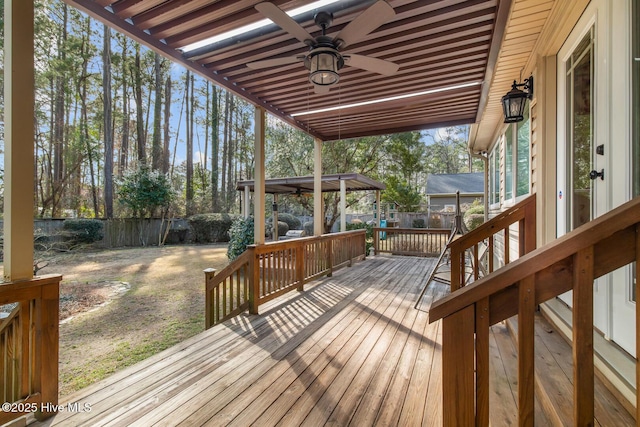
(126, 305)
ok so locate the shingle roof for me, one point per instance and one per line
(449, 183)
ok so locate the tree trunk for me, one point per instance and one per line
(124, 146)
(215, 148)
(141, 140)
(225, 149)
(167, 118)
(156, 150)
(58, 130)
(189, 117)
(107, 131)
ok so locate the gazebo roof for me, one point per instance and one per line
(304, 184)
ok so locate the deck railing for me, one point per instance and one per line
(410, 241)
(29, 348)
(264, 272)
(571, 262)
(477, 247)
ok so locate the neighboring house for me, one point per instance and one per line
(441, 189)
(578, 147)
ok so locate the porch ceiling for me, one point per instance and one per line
(438, 45)
(304, 184)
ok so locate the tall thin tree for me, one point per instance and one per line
(107, 127)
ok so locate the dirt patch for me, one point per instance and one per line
(122, 306)
(77, 298)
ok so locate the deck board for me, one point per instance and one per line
(349, 350)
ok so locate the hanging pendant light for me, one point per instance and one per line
(514, 102)
(323, 66)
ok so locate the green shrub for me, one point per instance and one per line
(213, 227)
(84, 230)
(240, 236)
(474, 216)
(418, 223)
(282, 227)
(308, 228)
(292, 221)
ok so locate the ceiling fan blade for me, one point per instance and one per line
(321, 89)
(376, 15)
(284, 21)
(274, 62)
(368, 63)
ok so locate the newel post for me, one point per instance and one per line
(458, 391)
(209, 312)
(583, 370)
(254, 280)
(48, 336)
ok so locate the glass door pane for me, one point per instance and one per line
(580, 131)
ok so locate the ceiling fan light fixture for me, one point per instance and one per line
(323, 66)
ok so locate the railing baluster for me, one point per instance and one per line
(507, 255)
(583, 371)
(526, 323)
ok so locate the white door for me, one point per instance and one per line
(593, 169)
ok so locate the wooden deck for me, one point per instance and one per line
(350, 350)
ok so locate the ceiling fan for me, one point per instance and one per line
(325, 55)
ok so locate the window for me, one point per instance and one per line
(516, 142)
(508, 163)
(517, 157)
(494, 175)
(523, 155)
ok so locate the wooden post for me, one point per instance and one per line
(318, 217)
(49, 333)
(19, 95)
(259, 185)
(526, 378)
(208, 298)
(583, 370)
(329, 255)
(458, 391)
(254, 282)
(527, 234)
(343, 205)
(457, 267)
(482, 362)
(247, 201)
(300, 257)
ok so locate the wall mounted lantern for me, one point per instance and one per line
(514, 102)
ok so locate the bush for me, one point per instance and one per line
(418, 223)
(240, 236)
(213, 227)
(308, 228)
(474, 216)
(293, 222)
(84, 230)
(282, 227)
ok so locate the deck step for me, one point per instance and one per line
(554, 381)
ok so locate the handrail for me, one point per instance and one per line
(523, 213)
(410, 241)
(227, 294)
(29, 347)
(572, 261)
(264, 272)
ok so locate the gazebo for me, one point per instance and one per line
(305, 185)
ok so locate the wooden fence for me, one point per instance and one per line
(410, 241)
(264, 272)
